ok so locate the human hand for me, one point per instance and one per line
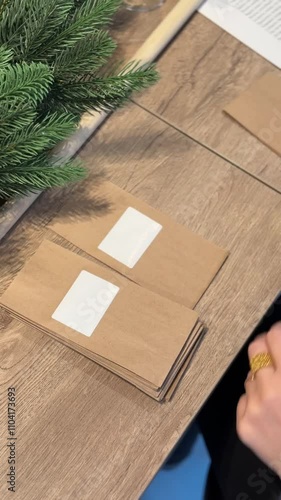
(259, 409)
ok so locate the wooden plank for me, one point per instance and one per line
(202, 71)
(82, 432)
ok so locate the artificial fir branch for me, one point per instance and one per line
(31, 178)
(105, 93)
(85, 56)
(52, 54)
(3, 5)
(104, 10)
(30, 141)
(12, 21)
(37, 30)
(15, 117)
(29, 83)
(70, 25)
(25, 163)
(5, 56)
(82, 23)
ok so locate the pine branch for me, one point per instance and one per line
(14, 117)
(85, 56)
(105, 93)
(3, 5)
(104, 10)
(12, 20)
(39, 26)
(27, 143)
(5, 57)
(67, 47)
(21, 82)
(80, 24)
(37, 175)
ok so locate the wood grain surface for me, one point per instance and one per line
(202, 71)
(82, 432)
(130, 29)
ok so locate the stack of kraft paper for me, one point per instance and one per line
(130, 310)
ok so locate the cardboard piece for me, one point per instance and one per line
(144, 245)
(141, 336)
(259, 110)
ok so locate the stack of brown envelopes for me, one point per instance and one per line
(143, 244)
(131, 313)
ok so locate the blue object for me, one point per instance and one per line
(185, 481)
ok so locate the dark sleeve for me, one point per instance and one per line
(239, 473)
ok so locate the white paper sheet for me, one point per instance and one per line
(256, 23)
(130, 237)
(85, 303)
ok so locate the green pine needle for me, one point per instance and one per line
(81, 24)
(5, 56)
(29, 142)
(38, 25)
(36, 177)
(104, 93)
(12, 20)
(15, 117)
(85, 56)
(103, 10)
(25, 82)
(52, 55)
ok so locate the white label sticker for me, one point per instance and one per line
(85, 303)
(130, 237)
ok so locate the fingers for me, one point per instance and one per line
(249, 378)
(258, 411)
(258, 345)
(248, 385)
(241, 408)
(273, 340)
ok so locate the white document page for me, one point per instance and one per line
(256, 23)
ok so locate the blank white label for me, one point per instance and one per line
(85, 303)
(130, 237)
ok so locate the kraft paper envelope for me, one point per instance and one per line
(168, 394)
(173, 379)
(144, 245)
(192, 340)
(135, 330)
(259, 110)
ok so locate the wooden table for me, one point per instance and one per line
(82, 432)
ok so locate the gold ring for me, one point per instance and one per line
(262, 360)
